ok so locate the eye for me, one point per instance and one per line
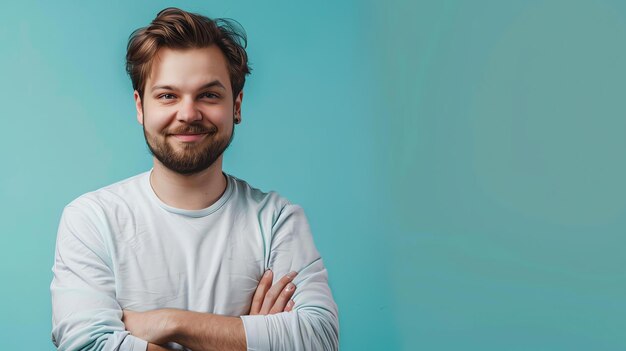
(166, 96)
(209, 95)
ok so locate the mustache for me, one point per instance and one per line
(193, 129)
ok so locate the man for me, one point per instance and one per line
(185, 256)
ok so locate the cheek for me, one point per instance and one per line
(220, 115)
(156, 119)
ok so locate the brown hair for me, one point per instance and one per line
(177, 29)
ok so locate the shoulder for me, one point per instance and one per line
(108, 198)
(255, 196)
(98, 214)
(268, 204)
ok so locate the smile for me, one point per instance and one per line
(188, 138)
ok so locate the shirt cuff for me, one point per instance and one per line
(257, 337)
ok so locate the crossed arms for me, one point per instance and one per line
(205, 331)
(87, 315)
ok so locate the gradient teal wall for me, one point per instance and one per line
(462, 163)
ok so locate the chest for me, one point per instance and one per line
(200, 265)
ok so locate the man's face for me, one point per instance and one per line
(188, 108)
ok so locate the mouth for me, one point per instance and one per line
(189, 138)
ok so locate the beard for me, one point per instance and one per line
(193, 157)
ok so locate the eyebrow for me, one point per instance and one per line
(215, 83)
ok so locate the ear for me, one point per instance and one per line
(238, 104)
(138, 107)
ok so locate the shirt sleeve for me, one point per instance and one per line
(85, 314)
(313, 323)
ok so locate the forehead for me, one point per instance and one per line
(188, 68)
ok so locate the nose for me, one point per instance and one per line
(188, 111)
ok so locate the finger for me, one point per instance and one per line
(290, 305)
(259, 294)
(283, 298)
(274, 291)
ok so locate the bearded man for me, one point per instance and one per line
(185, 256)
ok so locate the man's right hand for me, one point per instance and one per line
(270, 299)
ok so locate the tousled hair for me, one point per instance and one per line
(177, 29)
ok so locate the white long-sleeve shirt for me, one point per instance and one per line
(121, 247)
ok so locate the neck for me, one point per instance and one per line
(188, 192)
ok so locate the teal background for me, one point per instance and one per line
(461, 162)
